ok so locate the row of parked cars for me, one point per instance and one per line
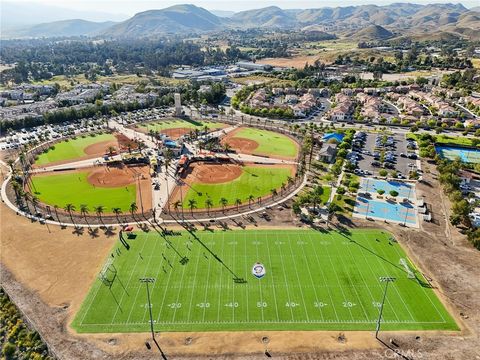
(15, 139)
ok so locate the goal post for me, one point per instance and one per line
(108, 273)
(408, 269)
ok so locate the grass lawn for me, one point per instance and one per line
(256, 181)
(74, 188)
(71, 149)
(314, 281)
(446, 140)
(270, 143)
(180, 123)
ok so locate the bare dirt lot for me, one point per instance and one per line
(47, 272)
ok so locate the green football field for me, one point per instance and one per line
(179, 123)
(314, 281)
(75, 189)
(270, 143)
(256, 181)
(72, 149)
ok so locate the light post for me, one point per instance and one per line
(147, 281)
(386, 280)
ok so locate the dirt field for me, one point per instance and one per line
(47, 272)
(295, 62)
(213, 173)
(176, 133)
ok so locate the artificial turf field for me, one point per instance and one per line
(270, 143)
(255, 180)
(314, 281)
(180, 123)
(74, 188)
(71, 149)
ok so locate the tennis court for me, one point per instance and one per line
(465, 154)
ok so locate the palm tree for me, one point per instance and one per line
(84, 211)
(11, 164)
(35, 201)
(226, 148)
(27, 197)
(290, 181)
(55, 207)
(117, 211)
(251, 199)
(208, 204)
(274, 193)
(224, 203)
(177, 204)
(99, 211)
(283, 187)
(192, 204)
(238, 202)
(70, 208)
(133, 209)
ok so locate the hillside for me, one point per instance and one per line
(364, 22)
(271, 16)
(65, 28)
(176, 19)
(372, 33)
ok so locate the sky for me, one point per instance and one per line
(130, 7)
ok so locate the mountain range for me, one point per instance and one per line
(365, 22)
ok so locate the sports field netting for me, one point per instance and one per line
(314, 280)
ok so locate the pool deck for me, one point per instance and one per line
(379, 208)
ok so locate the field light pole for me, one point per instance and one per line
(386, 280)
(147, 281)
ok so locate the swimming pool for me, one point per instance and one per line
(400, 212)
(404, 190)
(465, 154)
(337, 136)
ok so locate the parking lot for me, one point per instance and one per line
(375, 152)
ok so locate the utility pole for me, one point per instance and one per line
(147, 281)
(386, 280)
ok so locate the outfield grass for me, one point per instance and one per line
(270, 143)
(255, 180)
(74, 188)
(314, 281)
(71, 149)
(179, 123)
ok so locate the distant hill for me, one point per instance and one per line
(222, 13)
(172, 20)
(364, 22)
(66, 28)
(271, 16)
(372, 33)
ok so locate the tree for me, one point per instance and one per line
(176, 205)
(383, 172)
(99, 211)
(70, 208)
(117, 211)
(238, 202)
(84, 211)
(192, 204)
(380, 191)
(208, 204)
(251, 198)
(35, 202)
(274, 193)
(224, 203)
(133, 209)
(393, 193)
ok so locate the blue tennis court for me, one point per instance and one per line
(467, 155)
(400, 212)
(404, 190)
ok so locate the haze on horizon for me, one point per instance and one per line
(129, 8)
